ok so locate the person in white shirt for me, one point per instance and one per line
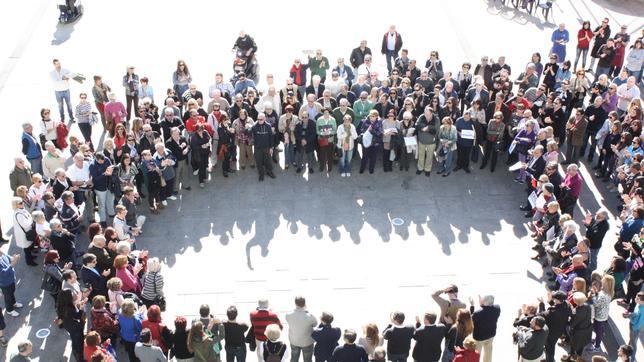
(334, 85)
(301, 324)
(626, 93)
(365, 68)
(78, 173)
(61, 76)
(123, 230)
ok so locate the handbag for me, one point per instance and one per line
(158, 300)
(250, 339)
(323, 141)
(30, 235)
(367, 138)
(93, 118)
(50, 284)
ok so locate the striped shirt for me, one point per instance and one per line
(260, 319)
(83, 111)
(152, 285)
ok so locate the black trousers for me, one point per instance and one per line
(325, 157)
(129, 100)
(463, 156)
(490, 154)
(386, 163)
(263, 161)
(369, 156)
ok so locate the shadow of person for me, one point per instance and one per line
(265, 226)
(63, 33)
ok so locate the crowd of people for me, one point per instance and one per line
(418, 116)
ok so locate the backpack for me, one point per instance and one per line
(273, 357)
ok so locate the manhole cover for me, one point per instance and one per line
(397, 221)
(42, 333)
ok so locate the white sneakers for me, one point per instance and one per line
(348, 174)
(343, 174)
(17, 305)
(172, 197)
(13, 313)
(164, 203)
(195, 172)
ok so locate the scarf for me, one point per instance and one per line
(347, 132)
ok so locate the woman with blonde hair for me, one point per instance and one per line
(601, 299)
(23, 192)
(371, 339)
(273, 347)
(201, 344)
(23, 232)
(37, 191)
(468, 352)
(552, 152)
(447, 146)
(137, 128)
(130, 326)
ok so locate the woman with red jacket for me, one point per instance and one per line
(584, 36)
(160, 332)
(468, 353)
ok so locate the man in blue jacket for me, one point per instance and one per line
(8, 282)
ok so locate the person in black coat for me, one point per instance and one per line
(149, 139)
(349, 351)
(391, 54)
(305, 136)
(326, 338)
(168, 122)
(200, 148)
(263, 135)
(486, 68)
(497, 104)
(429, 339)
(556, 316)
(226, 147)
(596, 229)
(581, 327)
(357, 55)
(94, 278)
(398, 338)
(63, 241)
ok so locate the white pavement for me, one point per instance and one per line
(357, 281)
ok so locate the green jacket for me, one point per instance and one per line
(361, 111)
(316, 68)
(339, 116)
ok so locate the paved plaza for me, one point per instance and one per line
(328, 238)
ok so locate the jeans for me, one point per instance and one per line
(600, 71)
(636, 74)
(86, 131)
(448, 162)
(9, 296)
(635, 338)
(238, 352)
(592, 263)
(289, 154)
(105, 200)
(584, 54)
(345, 161)
(307, 353)
(129, 349)
(485, 347)
(129, 100)
(391, 56)
(36, 165)
(64, 96)
(425, 157)
(598, 327)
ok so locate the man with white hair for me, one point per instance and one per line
(219, 100)
(20, 175)
(334, 84)
(52, 160)
(626, 93)
(317, 87)
(571, 188)
(31, 147)
(365, 68)
(270, 97)
(358, 54)
(168, 122)
(391, 44)
(171, 104)
(485, 320)
(260, 319)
